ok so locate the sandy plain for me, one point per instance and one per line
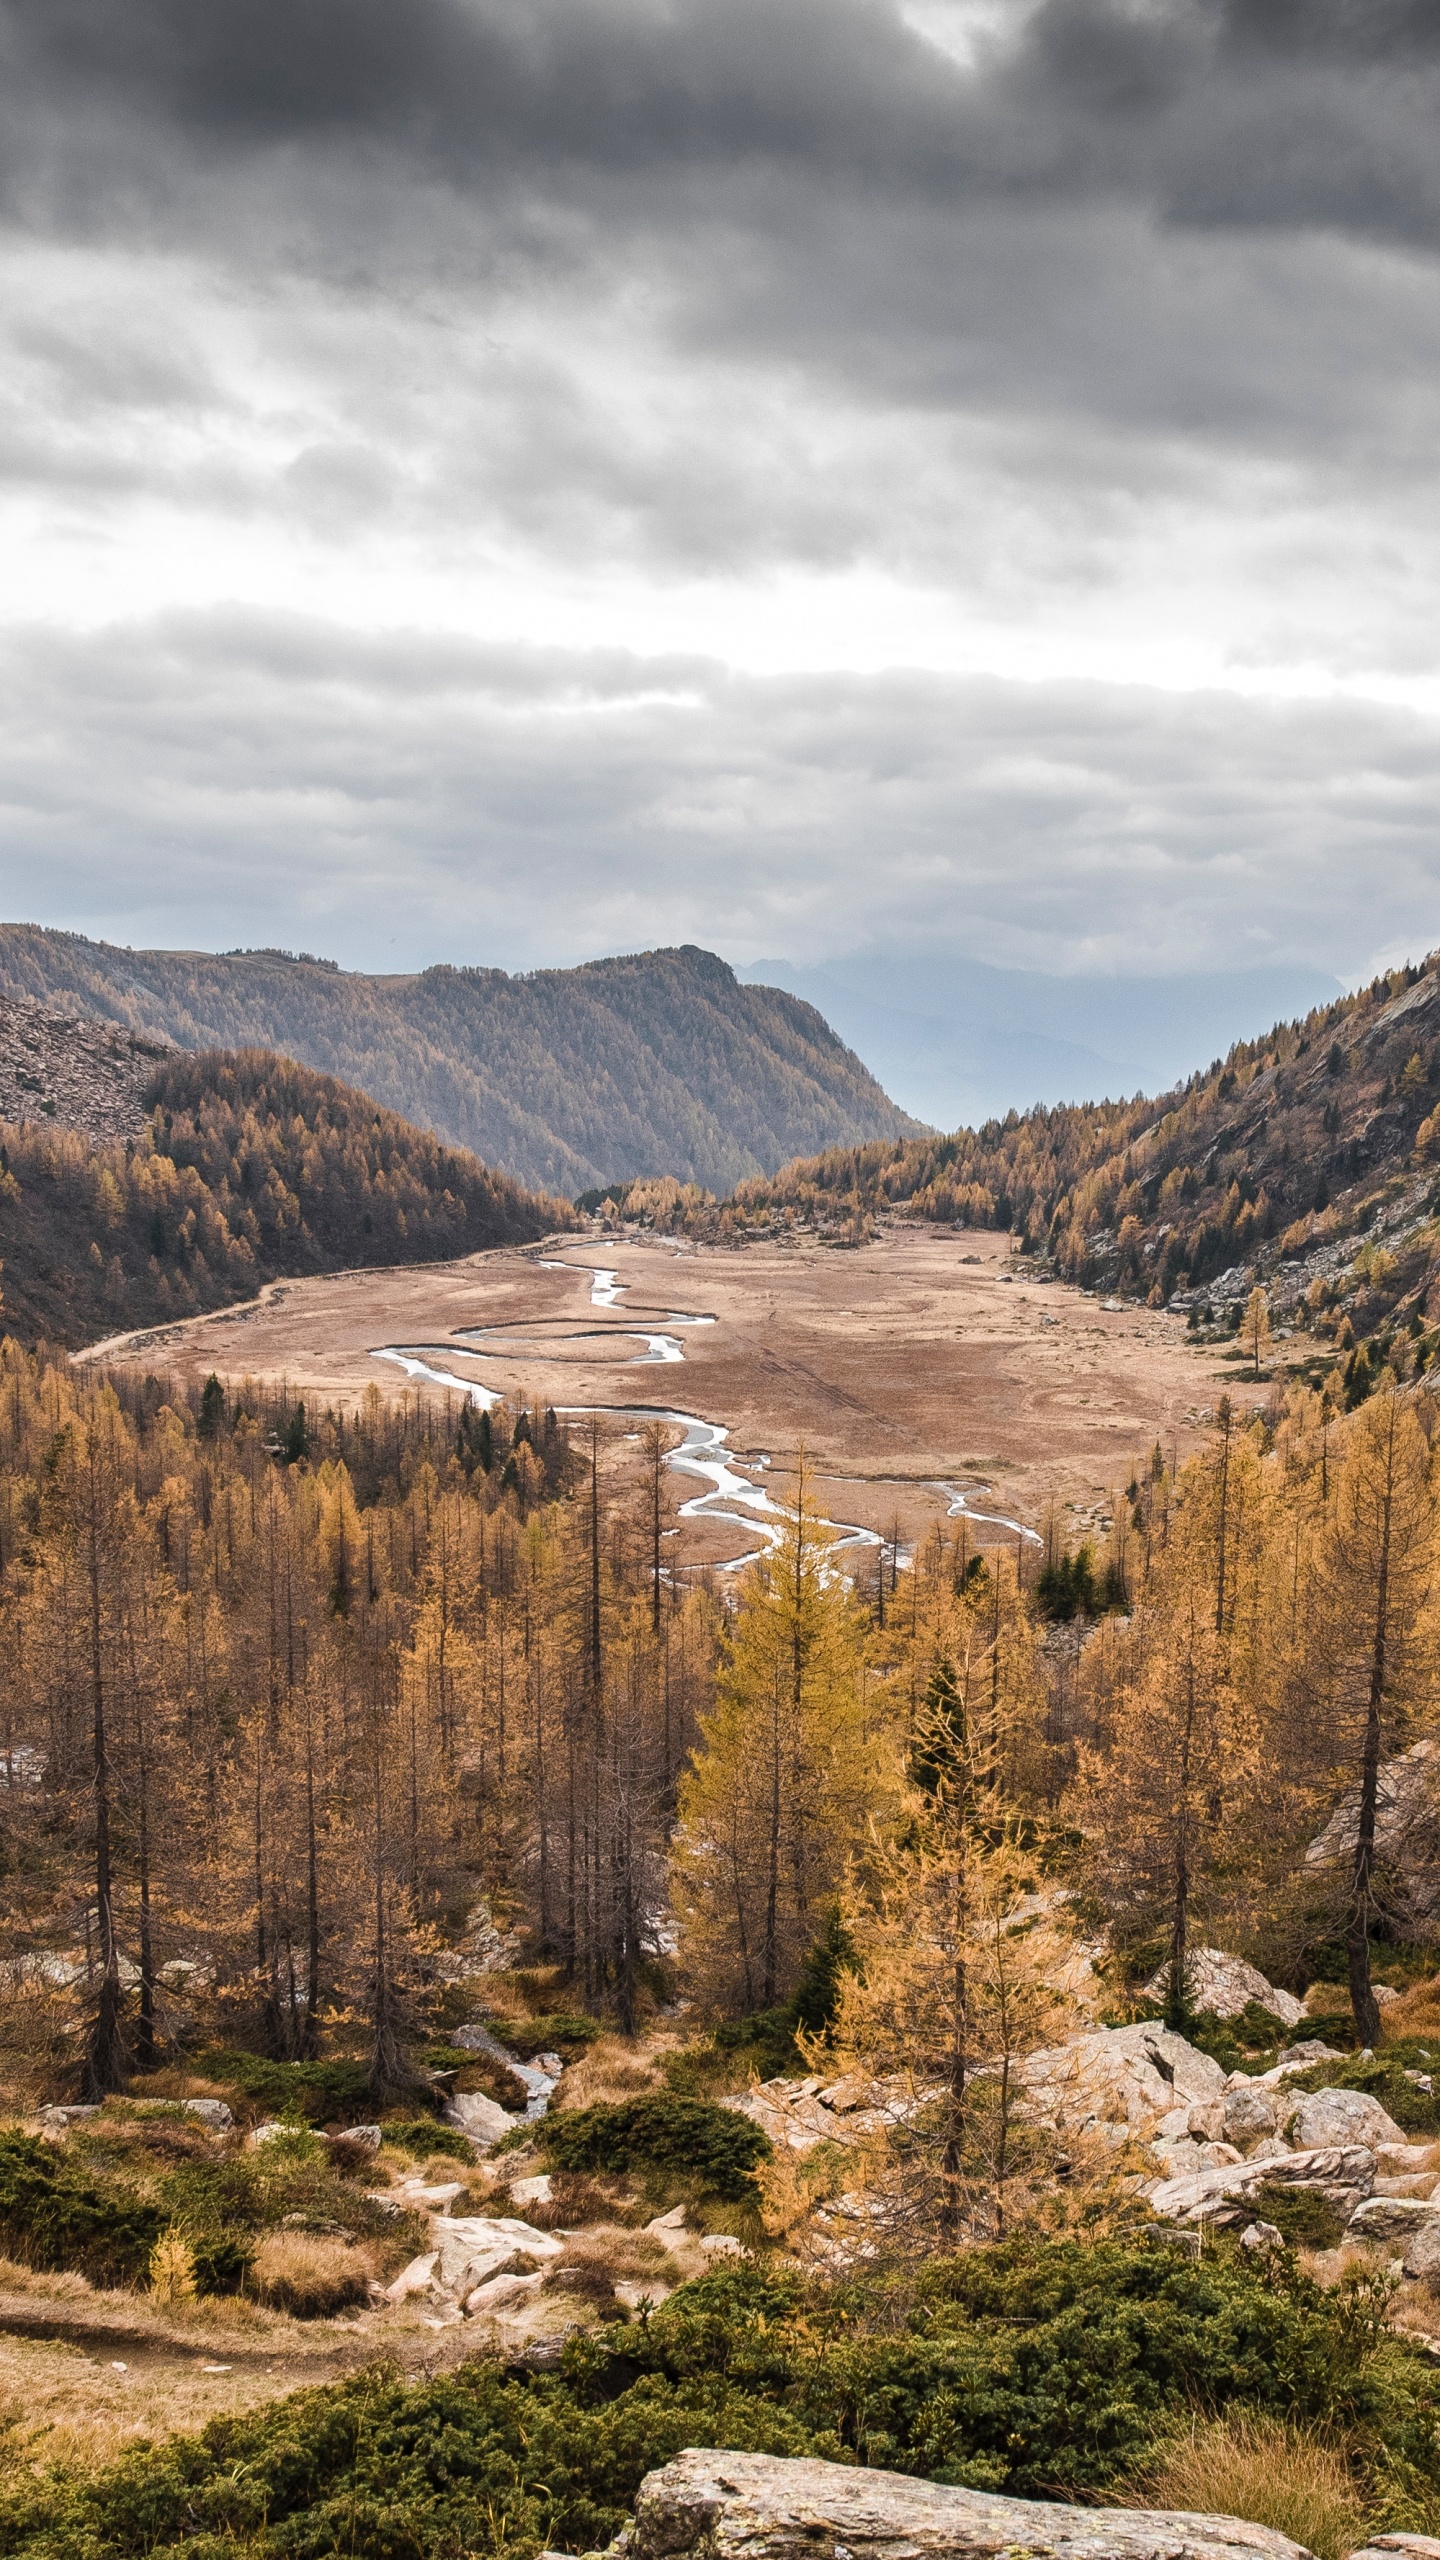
(912, 1369)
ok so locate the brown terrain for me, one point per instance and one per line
(74, 1072)
(912, 1370)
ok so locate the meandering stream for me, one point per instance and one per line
(704, 1450)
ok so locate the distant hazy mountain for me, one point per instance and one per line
(960, 1043)
(568, 1080)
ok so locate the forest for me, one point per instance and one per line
(659, 1062)
(246, 1168)
(1321, 1133)
(318, 1728)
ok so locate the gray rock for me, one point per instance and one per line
(1224, 1985)
(1422, 2250)
(1392, 2218)
(482, 2118)
(1261, 2235)
(1343, 2174)
(366, 2137)
(212, 2112)
(1248, 2116)
(1343, 2116)
(1420, 2546)
(760, 2506)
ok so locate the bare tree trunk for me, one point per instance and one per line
(104, 2064)
(1363, 2002)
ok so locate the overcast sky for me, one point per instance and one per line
(507, 480)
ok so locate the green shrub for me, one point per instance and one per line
(563, 2033)
(51, 2215)
(688, 2137)
(322, 2092)
(221, 2262)
(1043, 2370)
(421, 2136)
(1302, 2216)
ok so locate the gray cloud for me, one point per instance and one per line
(738, 332)
(395, 800)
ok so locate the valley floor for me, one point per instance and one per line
(914, 1370)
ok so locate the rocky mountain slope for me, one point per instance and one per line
(1305, 1160)
(73, 1071)
(569, 1079)
(129, 1202)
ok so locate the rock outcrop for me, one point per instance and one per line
(1225, 1985)
(74, 1072)
(760, 2506)
(1407, 1827)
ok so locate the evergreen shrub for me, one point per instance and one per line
(688, 2137)
(51, 2215)
(1055, 2369)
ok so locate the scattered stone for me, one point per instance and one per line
(1420, 2183)
(1127, 2077)
(759, 2506)
(414, 2278)
(1261, 2235)
(212, 2112)
(1248, 2115)
(73, 1071)
(531, 2190)
(1422, 2249)
(721, 2244)
(57, 2119)
(366, 2137)
(1420, 2546)
(473, 2247)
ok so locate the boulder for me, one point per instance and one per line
(761, 2506)
(473, 2247)
(531, 2190)
(412, 2279)
(1130, 2078)
(1340, 2116)
(1248, 2116)
(366, 2137)
(210, 2111)
(1422, 2249)
(482, 2118)
(1407, 1825)
(1343, 2175)
(1392, 2218)
(1422, 2183)
(1224, 1985)
(1420, 2546)
(502, 2292)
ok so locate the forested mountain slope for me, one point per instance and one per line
(1305, 1158)
(243, 1168)
(570, 1079)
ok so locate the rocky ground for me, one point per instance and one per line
(76, 1073)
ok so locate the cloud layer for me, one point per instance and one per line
(522, 477)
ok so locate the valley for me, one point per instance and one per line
(921, 1373)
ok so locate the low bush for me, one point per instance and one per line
(308, 2276)
(563, 2032)
(322, 2092)
(424, 2139)
(1304, 2218)
(1414, 2110)
(686, 2137)
(480, 2071)
(1042, 2370)
(52, 2215)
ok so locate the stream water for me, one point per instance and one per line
(703, 1452)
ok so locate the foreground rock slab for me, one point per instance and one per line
(759, 2506)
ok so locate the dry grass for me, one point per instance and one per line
(70, 2404)
(310, 2277)
(597, 2260)
(607, 2070)
(1415, 2013)
(577, 2199)
(1286, 2478)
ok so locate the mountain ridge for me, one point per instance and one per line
(648, 1063)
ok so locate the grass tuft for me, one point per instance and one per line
(1287, 2478)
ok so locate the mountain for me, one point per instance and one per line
(960, 1042)
(231, 1170)
(1305, 1160)
(571, 1079)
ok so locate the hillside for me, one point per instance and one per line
(1304, 1159)
(240, 1169)
(570, 1079)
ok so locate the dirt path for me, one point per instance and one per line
(910, 1363)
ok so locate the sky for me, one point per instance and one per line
(509, 480)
